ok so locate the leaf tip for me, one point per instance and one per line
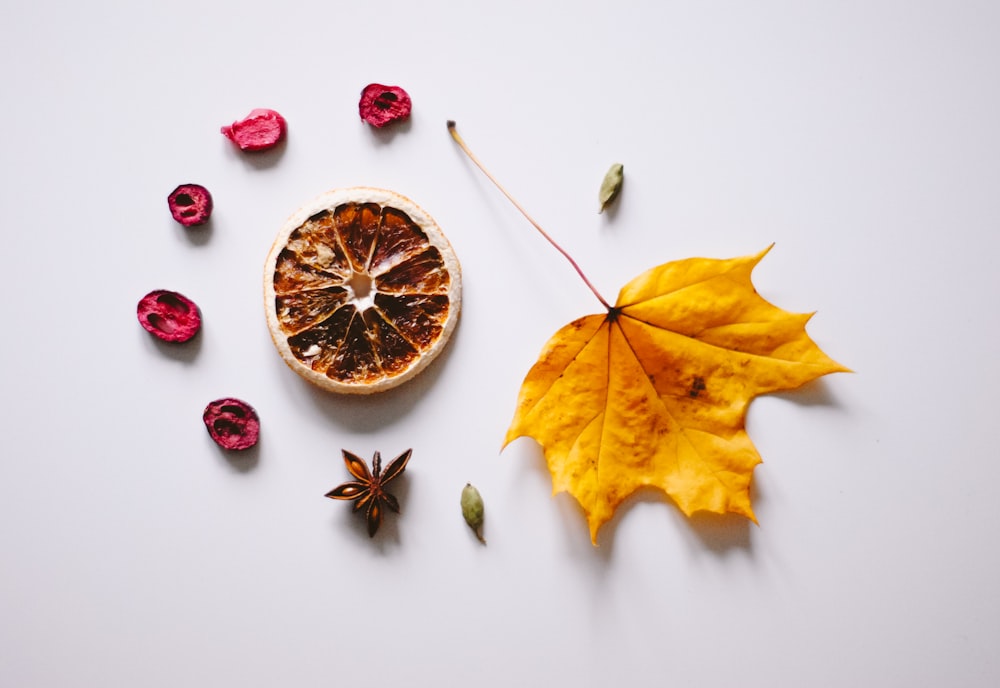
(512, 434)
(760, 254)
(594, 525)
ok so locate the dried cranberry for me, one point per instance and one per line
(232, 423)
(381, 105)
(169, 316)
(190, 204)
(260, 130)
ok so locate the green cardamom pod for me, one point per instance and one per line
(611, 185)
(473, 511)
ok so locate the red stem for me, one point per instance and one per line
(465, 148)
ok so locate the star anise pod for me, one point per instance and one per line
(368, 491)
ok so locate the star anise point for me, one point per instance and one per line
(368, 491)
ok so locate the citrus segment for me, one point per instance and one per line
(362, 290)
(306, 309)
(424, 273)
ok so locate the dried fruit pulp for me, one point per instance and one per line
(260, 130)
(362, 290)
(381, 105)
(168, 315)
(190, 204)
(232, 423)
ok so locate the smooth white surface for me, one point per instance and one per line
(861, 137)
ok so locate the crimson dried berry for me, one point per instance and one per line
(260, 130)
(169, 316)
(190, 204)
(232, 423)
(381, 105)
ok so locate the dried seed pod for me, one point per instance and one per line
(169, 316)
(260, 130)
(232, 423)
(381, 105)
(612, 185)
(473, 510)
(190, 204)
(368, 489)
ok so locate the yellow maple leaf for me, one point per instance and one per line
(654, 392)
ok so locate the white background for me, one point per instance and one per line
(862, 138)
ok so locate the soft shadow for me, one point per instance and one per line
(610, 213)
(384, 135)
(199, 235)
(724, 533)
(242, 460)
(577, 530)
(184, 352)
(571, 514)
(718, 533)
(487, 192)
(262, 159)
(814, 393)
(387, 537)
(372, 412)
(608, 532)
(364, 413)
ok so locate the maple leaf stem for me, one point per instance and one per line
(567, 256)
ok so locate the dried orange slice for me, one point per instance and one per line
(362, 290)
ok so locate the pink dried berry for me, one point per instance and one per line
(190, 204)
(232, 423)
(260, 130)
(169, 316)
(381, 105)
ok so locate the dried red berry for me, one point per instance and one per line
(260, 130)
(381, 105)
(232, 423)
(190, 204)
(169, 316)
